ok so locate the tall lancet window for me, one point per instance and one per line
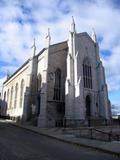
(87, 74)
(8, 98)
(22, 92)
(57, 85)
(39, 80)
(16, 95)
(5, 96)
(11, 97)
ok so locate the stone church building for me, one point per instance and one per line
(64, 82)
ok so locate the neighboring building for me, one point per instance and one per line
(63, 81)
(0, 103)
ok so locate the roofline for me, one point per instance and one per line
(50, 46)
(16, 71)
(58, 43)
(85, 33)
(23, 66)
(40, 52)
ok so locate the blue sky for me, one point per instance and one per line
(22, 20)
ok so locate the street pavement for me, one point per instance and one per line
(21, 144)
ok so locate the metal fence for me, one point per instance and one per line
(73, 123)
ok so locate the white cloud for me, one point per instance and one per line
(112, 65)
(16, 38)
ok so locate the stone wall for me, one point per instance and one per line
(57, 60)
(22, 74)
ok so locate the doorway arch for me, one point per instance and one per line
(88, 106)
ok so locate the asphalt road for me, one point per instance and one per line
(21, 144)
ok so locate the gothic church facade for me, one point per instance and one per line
(64, 82)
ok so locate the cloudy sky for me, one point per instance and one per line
(22, 20)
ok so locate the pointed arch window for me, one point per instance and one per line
(88, 106)
(11, 97)
(57, 85)
(21, 92)
(5, 96)
(16, 95)
(8, 97)
(39, 82)
(87, 74)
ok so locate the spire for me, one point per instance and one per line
(34, 47)
(48, 38)
(8, 74)
(73, 25)
(93, 36)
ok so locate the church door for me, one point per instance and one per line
(38, 103)
(88, 106)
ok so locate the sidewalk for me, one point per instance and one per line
(56, 133)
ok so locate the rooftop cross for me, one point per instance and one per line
(8, 74)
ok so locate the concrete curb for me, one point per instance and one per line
(66, 140)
